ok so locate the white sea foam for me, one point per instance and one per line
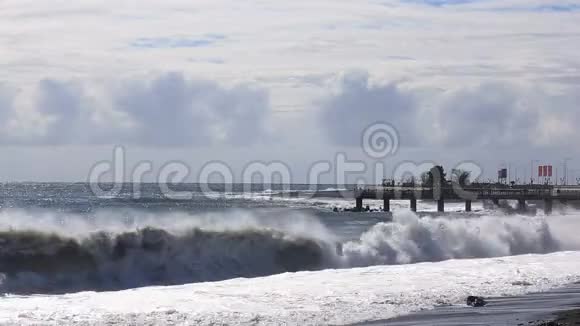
(305, 298)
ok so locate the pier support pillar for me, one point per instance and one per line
(468, 205)
(413, 205)
(359, 204)
(522, 205)
(548, 204)
(441, 205)
(386, 205)
(495, 201)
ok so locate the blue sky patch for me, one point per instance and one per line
(177, 42)
(559, 7)
(552, 8)
(440, 3)
(555, 7)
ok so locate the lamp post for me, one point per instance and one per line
(574, 173)
(532, 170)
(566, 169)
(520, 167)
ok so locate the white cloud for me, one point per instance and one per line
(266, 40)
(439, 72)
(360, 103)
(490, 115)
(168, 110)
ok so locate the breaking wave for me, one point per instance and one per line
(43, 259)
(37, 262)
(410, 239)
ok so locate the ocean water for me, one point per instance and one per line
(259, 257)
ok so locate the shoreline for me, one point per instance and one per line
(558, 307)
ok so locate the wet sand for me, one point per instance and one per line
(558, 307)
(566, 318)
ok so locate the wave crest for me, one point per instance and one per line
(40, 263)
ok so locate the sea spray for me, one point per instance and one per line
(410, 239)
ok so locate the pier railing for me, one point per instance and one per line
(468, 194)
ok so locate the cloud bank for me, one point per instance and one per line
(167, 110)
(171, 110)
(487, 115)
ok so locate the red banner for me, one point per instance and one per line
(549, 170)
(540, 170)
(545, 172)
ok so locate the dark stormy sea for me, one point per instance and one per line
(240, 255)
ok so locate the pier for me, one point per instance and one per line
(522, 193)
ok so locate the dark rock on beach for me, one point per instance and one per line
(475, 301)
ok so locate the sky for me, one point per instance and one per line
(495, 83)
